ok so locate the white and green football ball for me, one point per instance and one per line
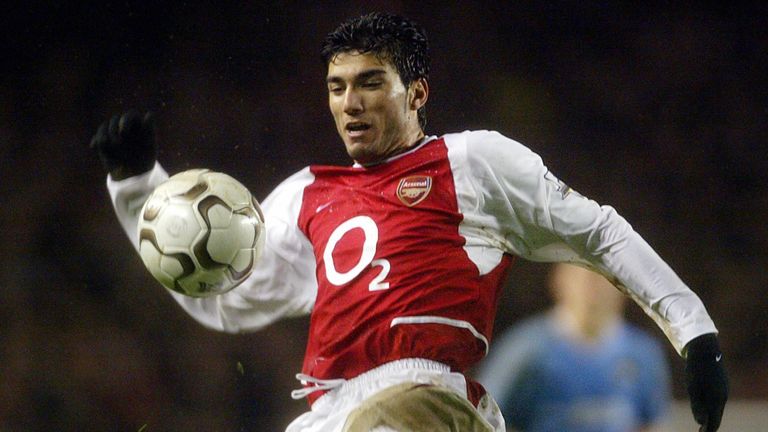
(200, 233)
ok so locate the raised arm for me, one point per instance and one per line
(540, 218)
(283, 282)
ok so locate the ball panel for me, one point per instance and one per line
(228, 190)
(177, 225)
(194, 192)
(151, 256)
(242, 262)
(166, 267)
(171, 267)
(204, 283)
(218, 216)
(202, 248)
(219, 246)
(250, 218)
(224, 243)
(153, 207)
(181, 183)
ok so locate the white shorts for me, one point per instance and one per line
(330, 411)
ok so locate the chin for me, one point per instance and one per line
(359, 153)
(365, 158)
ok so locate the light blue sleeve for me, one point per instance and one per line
(509, 372)
(655, 389)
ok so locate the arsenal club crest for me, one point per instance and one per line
(413, 190)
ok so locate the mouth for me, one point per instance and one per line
(356, 129)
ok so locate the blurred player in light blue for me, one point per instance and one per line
(579, 367)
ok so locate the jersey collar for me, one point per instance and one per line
(414, 148)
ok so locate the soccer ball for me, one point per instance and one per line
(200, 233)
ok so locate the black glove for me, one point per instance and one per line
(126, 144)
(706, 380)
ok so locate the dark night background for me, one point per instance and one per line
(657, 109)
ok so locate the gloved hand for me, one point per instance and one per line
(126, 144)
(706, 380)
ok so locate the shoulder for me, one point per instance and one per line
(516, 352)
(642, 342)
(288, 193)
(293, 184)
(528, 336)
(487, 150)
(487, 143)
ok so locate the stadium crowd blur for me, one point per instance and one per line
(659, 112)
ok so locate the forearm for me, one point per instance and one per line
(643, 275)
(128, 197)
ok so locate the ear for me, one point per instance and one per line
(419, 93)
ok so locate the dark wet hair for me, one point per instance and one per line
(392, 38)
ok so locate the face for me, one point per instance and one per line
(585, 292)
(375, 114)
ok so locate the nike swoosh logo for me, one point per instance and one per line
(718, 357)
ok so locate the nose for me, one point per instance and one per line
(353, 102)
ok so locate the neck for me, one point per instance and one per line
(408, 144)
(411, 141)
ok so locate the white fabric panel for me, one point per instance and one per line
(484, 246)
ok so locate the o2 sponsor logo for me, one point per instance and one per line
(367, 254)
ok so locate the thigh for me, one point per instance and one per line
(412, 407)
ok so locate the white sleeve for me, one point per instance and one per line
(128, 197)
(539, 218)
(283, 282)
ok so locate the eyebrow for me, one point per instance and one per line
(362, 76)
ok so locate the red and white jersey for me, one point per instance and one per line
(394, 279)
(405, 259)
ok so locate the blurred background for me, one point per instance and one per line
(658, 110)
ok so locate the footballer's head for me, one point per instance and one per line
(391, 38)
(586, 296)
(377, 84)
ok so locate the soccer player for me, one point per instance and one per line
(400, 257)
(579, 366)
